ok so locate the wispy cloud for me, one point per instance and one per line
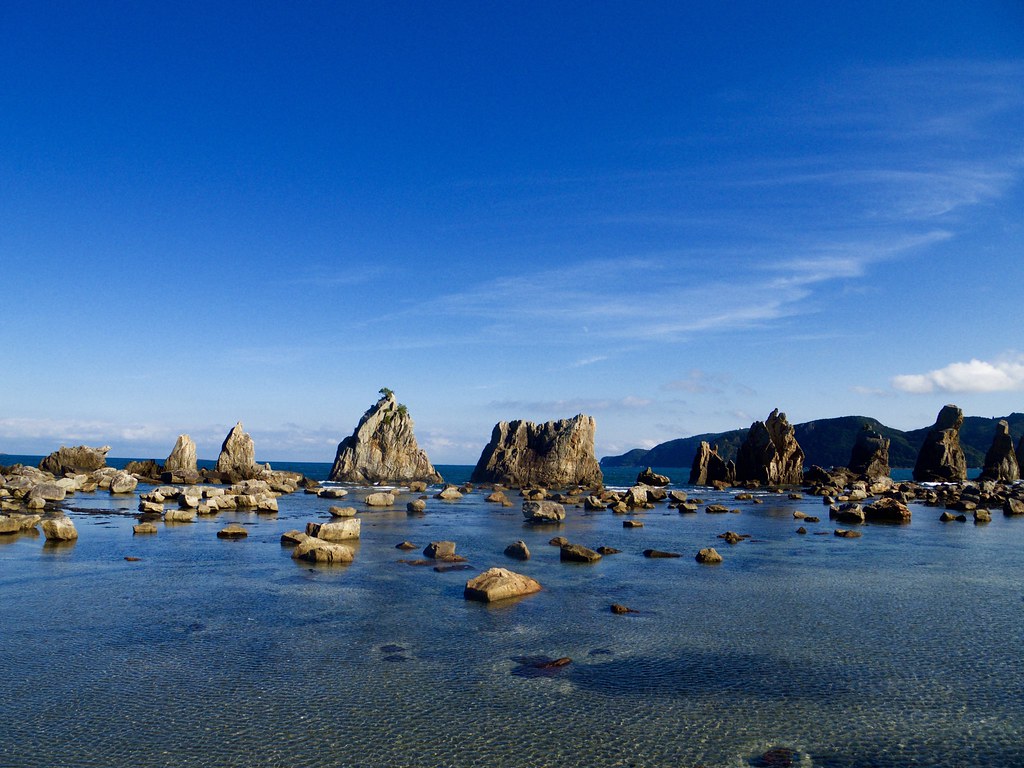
(1003, 375)
(580, 405)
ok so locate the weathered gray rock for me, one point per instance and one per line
(383, 448)
(577, 553)
(379, 499)
(319, 551)
(342, 511)
(552, 454)
(870, 455)
(59, 529)
(180, 516)
(75, 460)
(518, 550)
(499, 584)
(237, 459)
(122, 482)
(9, 525)
(339, 530)
(543, 512)
(48, 492)
(708, 467)
(1001, 461)
(450, 493)
(941, 459)
(183, 456)
(770, 454)
(650, 477)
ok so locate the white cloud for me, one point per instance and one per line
(1004, 375)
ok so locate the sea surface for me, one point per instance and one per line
(900, 648)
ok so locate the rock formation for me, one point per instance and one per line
(708, 467)
(237, 460)
(183, 455)
(553, 454)
(76, 460)
(1000, 461)
(383, 448)
(870, 455)
(770, 454)
(941, 459)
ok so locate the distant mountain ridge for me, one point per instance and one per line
(826, 442)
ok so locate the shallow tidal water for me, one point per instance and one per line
(901, 648)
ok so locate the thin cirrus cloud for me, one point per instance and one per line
(974, 376)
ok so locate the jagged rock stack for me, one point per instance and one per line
(1000, 461)
(383, 448)
(552, 454)
(870, 455)
(183, 455)
(709, 468)
(941, 459)
(237, 460)
(770, 454)
(78, 460)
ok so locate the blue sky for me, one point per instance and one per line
(672, 216)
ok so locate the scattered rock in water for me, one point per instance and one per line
(543, 512)
(406, 546)
(982, 516)
(632, 523)
(801, 530)
(451, 493)
(650, 477)
(947, 517)
(777, 757)
(847, 534)
(143, 528)
(455, 567)
(618, 608)
(289, 538)
(380, 499)
(317, 550)
(392, 649)
(497, 497)
(342, 511)
(731, 537)
(608, 551)
(416, 507)
(1013, 507)
(179, 516)
(59, 529)
(657, 553)
(518, 550)
(539, 666)
(341, 530)
(130, 559)
(440, 550)
(577, 553)
(499, 584)
(716, 509)
(331, 493)
(558, 541)
(887, 510)
(232, 531)
(708, 556)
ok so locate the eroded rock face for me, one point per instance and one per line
(870, 455)
(237, 460)
(78, 460)
(941, 460)
(552, 454)
(383, 448)
(708, 467)
(1001, 461)
(771, 454)
(183, 456)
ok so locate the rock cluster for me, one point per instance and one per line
(941, 458)
(383, 448)
(770, 455)
(552, 454)
(78, 460)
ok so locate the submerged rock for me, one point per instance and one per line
(941, 459)
(577, 553)
(499, 584)
(553, 454)
(383, 448)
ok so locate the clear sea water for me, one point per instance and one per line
(901, 648)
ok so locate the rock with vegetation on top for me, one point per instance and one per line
(552, 454)
(237, 459)
(1000, 461)
(183, 456)
(499, 584)
(941, 459)
(383, 448)
(870, 455)
(770, 454)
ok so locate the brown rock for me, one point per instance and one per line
(770, 454)
(941, 458)
(708, 556)
(499, 584)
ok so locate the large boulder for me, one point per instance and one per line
(78, 460)
(650, 477)
(122, 482)
(339, 530)
(1000, 461)
(770, 454)
(708, 467)
(887, 510)
(941, 459)
(539, 512)
(237, 459)
(552, 454)
(317, 550)
(499, 584)
(870, 455)
(383, 448)
(183, 456)
(59, 529)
